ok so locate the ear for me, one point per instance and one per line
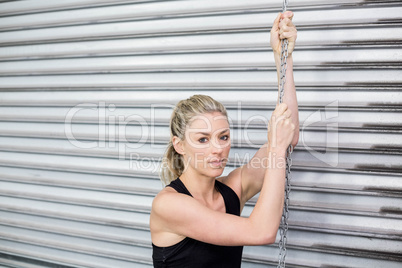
(178, 145)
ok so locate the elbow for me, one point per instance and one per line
(268, 239)
(265, 239)
(261, 235)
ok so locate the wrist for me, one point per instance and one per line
(277, 56)
(276, 159)
(276, 151)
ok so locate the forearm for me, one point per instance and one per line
(267, 212)
(255, 169)
(289, 96)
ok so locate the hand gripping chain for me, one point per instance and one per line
(283, 229)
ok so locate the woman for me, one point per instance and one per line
(195, 220)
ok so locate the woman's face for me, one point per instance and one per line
(207, 144)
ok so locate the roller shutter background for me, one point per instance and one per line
(86, 91)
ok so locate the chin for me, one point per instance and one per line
(216, 172)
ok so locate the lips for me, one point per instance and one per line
(217, 162)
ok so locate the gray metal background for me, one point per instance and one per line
(79, 194)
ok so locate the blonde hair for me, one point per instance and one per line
(172, 163)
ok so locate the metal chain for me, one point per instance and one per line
(283, 229)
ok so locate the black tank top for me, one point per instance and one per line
(190, 253)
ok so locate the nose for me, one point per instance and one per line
(217, 149)
(217, 146)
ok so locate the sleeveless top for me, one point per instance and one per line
(191, 253)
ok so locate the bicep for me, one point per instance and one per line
(185, 216)
(252, 173)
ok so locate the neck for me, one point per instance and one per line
(201, 187)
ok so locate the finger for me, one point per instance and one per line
(287, 14)
(283, 23)
(286, 28)
(286, 23)
(280, 109)
(275, 27)
(288, 119)
(287, 123)
(283, 119)
(283, 28)
(288, 113)
(290, 33)
(291, 24)
(287, 35)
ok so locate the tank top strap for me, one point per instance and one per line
(232, 201)
(179, 186)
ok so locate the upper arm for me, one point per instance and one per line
(252, 174)
(183, 215)
(248, 179)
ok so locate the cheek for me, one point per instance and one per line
(201, 154)
(227, 147)
(225, 154)
(197, 154)
(198, 159)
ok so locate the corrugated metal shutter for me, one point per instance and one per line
(87, 89)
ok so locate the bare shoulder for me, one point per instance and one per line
(167, 209)
(166, 201)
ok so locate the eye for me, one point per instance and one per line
(225, 137)
(203, 140)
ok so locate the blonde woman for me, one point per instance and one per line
(195, 220)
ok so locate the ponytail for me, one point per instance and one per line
(172, 165)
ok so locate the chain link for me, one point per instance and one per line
(283, 229)
(285, 5)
